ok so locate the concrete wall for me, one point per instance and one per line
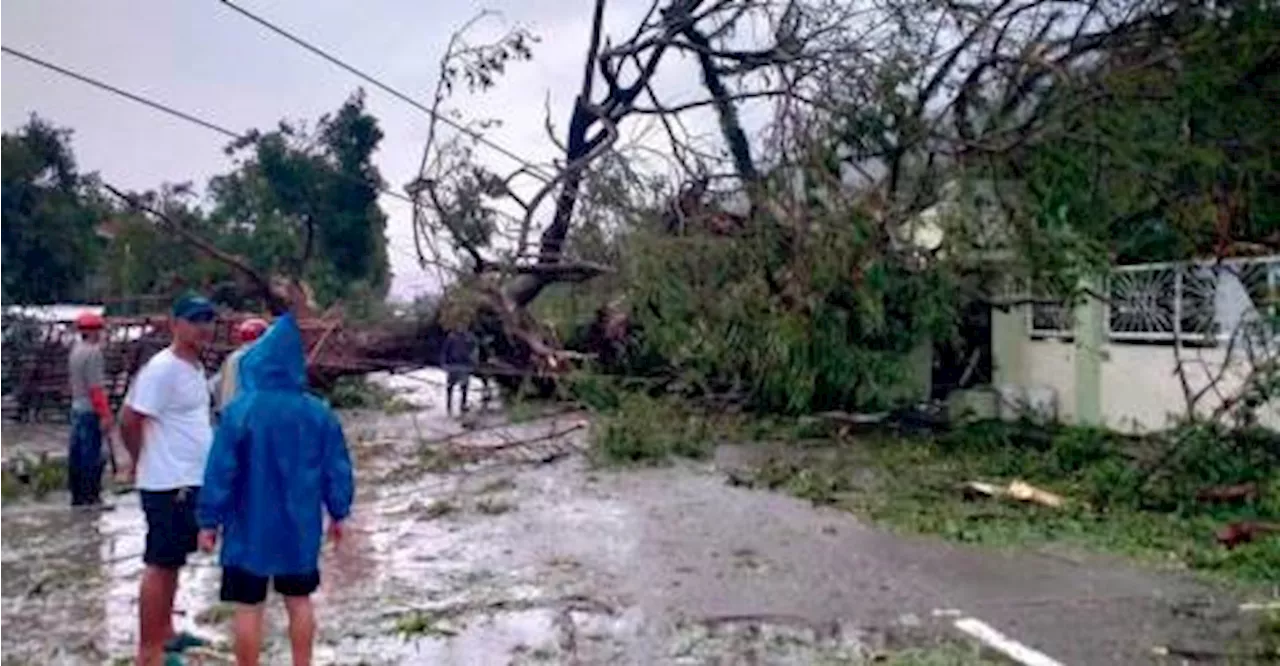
(1051, 365)
(1138, 388)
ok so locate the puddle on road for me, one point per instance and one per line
(509, 564)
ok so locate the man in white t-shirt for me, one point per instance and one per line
(168, 432)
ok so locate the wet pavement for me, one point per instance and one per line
(479, 543)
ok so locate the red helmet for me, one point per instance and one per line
(90, 321)
(250, 330)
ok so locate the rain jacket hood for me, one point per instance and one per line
(279, 462)
(275, 362)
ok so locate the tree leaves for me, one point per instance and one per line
(49, 240)
(307, 201)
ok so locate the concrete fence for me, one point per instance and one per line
(1120, 356)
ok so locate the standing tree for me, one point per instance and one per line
(306, 204)
(50, 244)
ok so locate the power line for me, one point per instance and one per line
(123, 93)
(183, 115)
(370, 79)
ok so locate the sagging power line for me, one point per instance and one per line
(121, 92)
(158, 106)
(533, 169)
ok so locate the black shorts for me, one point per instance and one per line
(171, 526)
(242, 587)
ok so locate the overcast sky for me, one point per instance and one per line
(202, 57)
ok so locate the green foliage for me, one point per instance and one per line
(648, 431)
(294, 194)
(49, 240)
(816, 484)
(298, 194)
(359, 393)
(1173, 161)
(419, 623)
(35, 477)
(830, 327)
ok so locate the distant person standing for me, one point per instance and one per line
(90, 412)
(484, 351)
(226, 380)
(458, 359)
(279, 463)
(167, 429)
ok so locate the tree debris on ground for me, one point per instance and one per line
(1018, 490)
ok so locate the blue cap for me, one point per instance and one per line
(194, 308)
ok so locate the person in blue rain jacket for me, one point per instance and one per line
(279, 461)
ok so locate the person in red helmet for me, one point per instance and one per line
(224, 382)
(90, 412)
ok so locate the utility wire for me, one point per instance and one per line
(196, 120)
(123, 93)
(368, 78)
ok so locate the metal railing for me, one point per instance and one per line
(1199, 302)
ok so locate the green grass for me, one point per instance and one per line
(422, 623)
(951, 655)
(1111, 507)
(1262, 644)
(39, 476)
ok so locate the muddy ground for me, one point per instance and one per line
(484, 550)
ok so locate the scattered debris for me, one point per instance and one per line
(216, 614)
(1234, 494)
(497, 485)
(1200, 653)
(493, 507)
(424, 623)
(203, 655)
(1025, 492)
(1259, 606)
(438, 509)
(1245, 531)
(976, 489)
(1019, 490)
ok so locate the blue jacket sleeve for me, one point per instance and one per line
(220, 474)
(339, 481)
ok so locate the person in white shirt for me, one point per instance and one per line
(167, 429)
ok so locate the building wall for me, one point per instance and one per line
(1139, 388)
(1051, 365)
(1111, 360)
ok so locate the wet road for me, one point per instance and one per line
(514, 553)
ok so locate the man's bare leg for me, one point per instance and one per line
(248, 631)
(155, 612)
(302, 628)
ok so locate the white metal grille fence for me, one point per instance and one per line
(1199, 302)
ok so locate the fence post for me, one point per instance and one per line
(1090, 333)
(1009, 335)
